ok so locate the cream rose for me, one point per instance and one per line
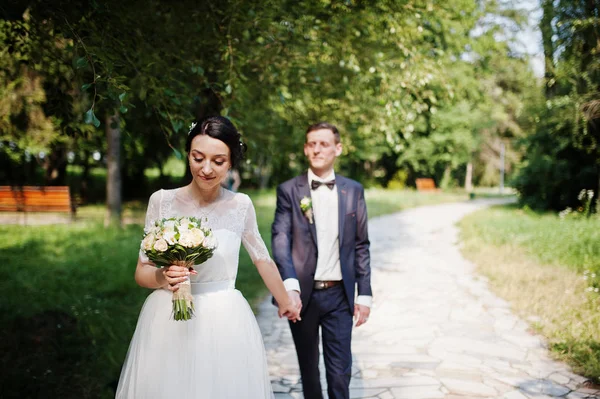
(161, 245)
(148, 242)
(197, 236)
(187, 239)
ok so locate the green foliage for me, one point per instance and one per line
(22, 97)
(397, 82)
(554, 169)
(584, 209)
(398, 181)
(563, 155)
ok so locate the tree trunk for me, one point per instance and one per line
(548, 44)
(267, 171)
(113, 170)
(56, 166)
(469, 178)
(85, 176)
(161, 171)
(446, 178)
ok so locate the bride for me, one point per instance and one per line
(219, 353)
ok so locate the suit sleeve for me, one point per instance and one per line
(362, 255)
(281, 236)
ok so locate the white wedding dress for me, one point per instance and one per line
(219, 353)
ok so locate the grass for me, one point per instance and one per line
(538, 263)
(68, 307)
(70, 303)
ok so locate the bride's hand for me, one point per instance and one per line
(175, 275)
(291, 309)
(291, 312)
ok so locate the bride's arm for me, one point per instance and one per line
(149, 276)
(288, 301)
(288, 307)
(270, 275)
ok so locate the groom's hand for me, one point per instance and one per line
(361, 314)
(295, 297)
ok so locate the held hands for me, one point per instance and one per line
(292, 308)
(175, 275)
(361, 314)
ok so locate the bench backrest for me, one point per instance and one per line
(35, 199)
(425, 183)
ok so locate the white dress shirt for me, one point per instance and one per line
(326, 218)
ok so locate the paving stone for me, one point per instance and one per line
(359, 393)
(545, 387)
(463, 387)
(465, 397)
(417, 393)
(499, 386)
(514, 395)
(403, 381)
(577, 395)
(589, 391)
(560, 378)
(279, 388)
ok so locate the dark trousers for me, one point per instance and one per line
(330, 310)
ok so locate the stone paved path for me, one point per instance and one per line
(436, 330)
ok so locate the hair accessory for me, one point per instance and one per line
(192, 126)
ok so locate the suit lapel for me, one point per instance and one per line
(304, 191)
(342, 193)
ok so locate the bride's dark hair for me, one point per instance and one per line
(220, 128)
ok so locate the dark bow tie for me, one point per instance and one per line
(315, 184)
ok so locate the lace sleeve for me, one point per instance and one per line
(251, 238)
(152, 214)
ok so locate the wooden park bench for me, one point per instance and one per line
(36, 199)
(426, 184)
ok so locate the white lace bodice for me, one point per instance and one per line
(232, 219)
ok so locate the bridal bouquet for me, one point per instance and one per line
(183, 242)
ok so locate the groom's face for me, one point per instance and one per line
(321, 149)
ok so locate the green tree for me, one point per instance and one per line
(563, 156)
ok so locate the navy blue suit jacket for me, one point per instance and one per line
(294, 238)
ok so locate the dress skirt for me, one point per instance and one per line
(218, 354)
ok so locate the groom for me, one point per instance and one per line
(321, 246)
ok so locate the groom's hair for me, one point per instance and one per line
(324, 125)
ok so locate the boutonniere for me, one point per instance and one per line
(306, 206)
